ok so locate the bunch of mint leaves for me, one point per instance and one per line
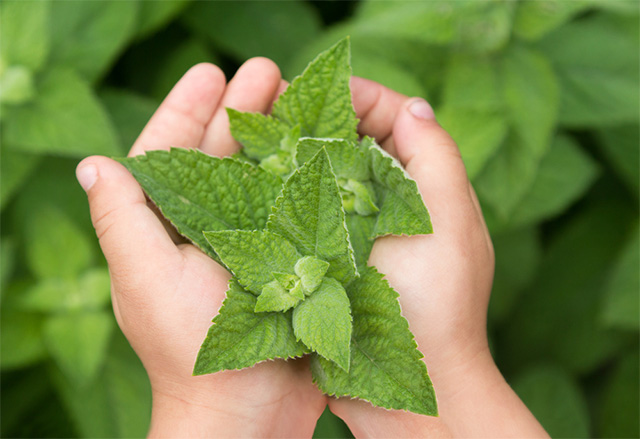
(293, 217)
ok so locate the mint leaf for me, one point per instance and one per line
(309, 214)
(252, 256)
(83, 128)
(389, 374)
(347, 159)
(319, 100)
(240, 338)
(311, 272)
(360, 235)
(323, 322)
(281, 294)
(402, 211)
(199, 192)
(78, 342)
(24, 34)
(260, 135)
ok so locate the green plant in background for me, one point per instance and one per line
(540, 95)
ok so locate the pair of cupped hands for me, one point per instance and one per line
(165, 292)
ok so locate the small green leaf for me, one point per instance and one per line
(534, 19)
(260, 135)
(347, 160)
(48, 231)
(83, 128)
(402, 211)
(16, 85)
(199, 192)
(389, 374)
(323, 322)
(240, 338)
(311, 272)
(599, 86)
(555, 399)
(254, 255)
(15, 168)
(24, 34)
(78, 342)
(275, 297)
(87, 36)
(319, 100)
(309, 214)
(364, 197)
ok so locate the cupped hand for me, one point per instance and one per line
(444, 281)
(165, 293)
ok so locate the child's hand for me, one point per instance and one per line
(165, 294)
(444, 281)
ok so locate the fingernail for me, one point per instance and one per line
(421, 109)
(87, 175)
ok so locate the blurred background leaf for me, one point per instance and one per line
(541, 96)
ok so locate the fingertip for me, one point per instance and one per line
(87, 173)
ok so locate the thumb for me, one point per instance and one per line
(433, 160)
(132, 237)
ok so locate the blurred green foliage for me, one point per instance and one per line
(542, 97)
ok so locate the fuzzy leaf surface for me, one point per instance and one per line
(309, 214)
(389, 374)
(323, 322)
(253, 256)
(319, 100)
(240, 338)
(402, 211)
(260, 135)
(199, 192)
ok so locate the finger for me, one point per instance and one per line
(132, 238)
(433, 159)
(376, 106)
(181, 119)
(253, 88)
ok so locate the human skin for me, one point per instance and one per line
(165, 292)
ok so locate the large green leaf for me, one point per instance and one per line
(534, 19)
(78, 342)
(87, 36)
(617, 413)
(24, 34)
(555, 399)
(319, 100)
(254, 28)
(198, 192)
(568, 292)
(390, 374)
(564, 175)
(117, 403)
(600, 86)
(50, 230)
(130, 113)
(309, 214)
(323, 322)
(65, 119)
(623, 288)
(480, 26)
(531, 98)
(240, 337)
(252, 256)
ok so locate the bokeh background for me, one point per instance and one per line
(542, 97)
